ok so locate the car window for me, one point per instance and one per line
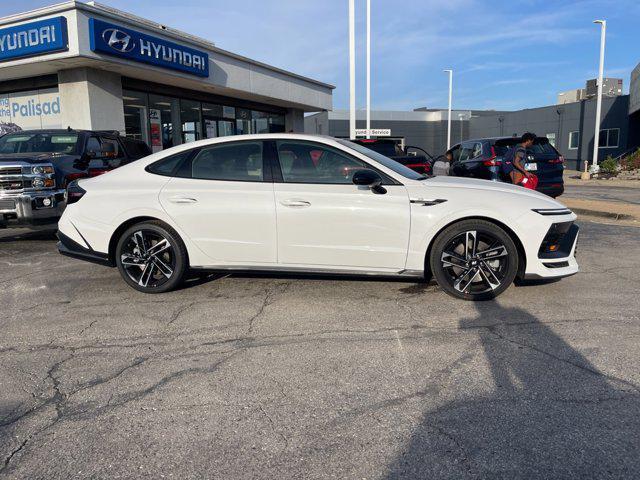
(305, 162)
(466, 151)
(135, 148)
(392, 165)
(477, 150)
(168, 165)
(93, 144)
(232, 162)
(118, 150)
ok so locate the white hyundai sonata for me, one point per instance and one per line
(302, 203)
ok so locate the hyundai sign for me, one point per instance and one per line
(127, 43)
(35, 38)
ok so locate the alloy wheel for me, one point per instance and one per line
(148, 258)
(475, 262)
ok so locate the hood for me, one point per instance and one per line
(29, 158)
(484, 185)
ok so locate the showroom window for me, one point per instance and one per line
(574, 140)
(609, 138)
(163, 122)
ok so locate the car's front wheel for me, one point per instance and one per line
(151, 257)
(474, 260)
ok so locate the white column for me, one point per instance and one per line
(368, 67)
(352, 70)
(596, 138)
(450, 101)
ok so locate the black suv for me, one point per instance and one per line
(482, 158)
(37, 165)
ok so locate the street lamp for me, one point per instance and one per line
(596, 140)
(450, 72)
(368, 68)
(460, 117)
(352, 70)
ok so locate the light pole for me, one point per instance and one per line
(368, 68)
(352, 70)
(450, 99)
(460, 117)
(596, 139)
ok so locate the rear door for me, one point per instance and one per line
(222, 198)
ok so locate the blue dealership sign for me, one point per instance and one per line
(35, 38)
(126, 43)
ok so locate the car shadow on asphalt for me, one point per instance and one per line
(7, 236)
(545, 412)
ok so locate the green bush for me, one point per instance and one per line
(609, 165)
(632, 161)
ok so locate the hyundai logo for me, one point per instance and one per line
(118, 40)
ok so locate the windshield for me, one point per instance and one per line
(39, 142)
(386, 161)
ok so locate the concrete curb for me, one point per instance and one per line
(599, 213)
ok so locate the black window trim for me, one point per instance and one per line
(279, 178)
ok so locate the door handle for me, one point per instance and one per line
(183, 200)
(295, 203)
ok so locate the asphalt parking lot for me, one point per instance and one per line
(305, 377)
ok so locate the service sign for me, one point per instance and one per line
(34, 38)
(126, 43)
(373, 132)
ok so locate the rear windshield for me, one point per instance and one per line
(540, 147)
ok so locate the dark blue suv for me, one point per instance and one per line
(482, 158)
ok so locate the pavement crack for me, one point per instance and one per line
(273, 427)
(270, 295)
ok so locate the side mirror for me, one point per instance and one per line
(369, 178)
(91, 154)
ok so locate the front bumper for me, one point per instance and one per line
(31, 209)
(559, 263)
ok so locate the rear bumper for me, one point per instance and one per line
(551, 189)
(71, 248)
(32, 209)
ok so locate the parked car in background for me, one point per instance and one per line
(303, 203)
(482, 158)
(37, 165)
(414, 158)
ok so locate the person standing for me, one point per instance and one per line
(514, 161)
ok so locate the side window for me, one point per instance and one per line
(477, 150)
(168, 165)
(305, 162)
(466, 151)
(119, 153)
(93, 145)
(240, 162)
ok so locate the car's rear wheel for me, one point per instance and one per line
(474, 260)
(151, 257)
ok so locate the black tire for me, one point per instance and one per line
(474, 260)
(147, 267)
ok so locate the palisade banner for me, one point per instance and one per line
(27, 110)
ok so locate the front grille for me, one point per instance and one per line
(10, 171)
(11, 184)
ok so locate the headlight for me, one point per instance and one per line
(42, 169)
(38, 183)
(43, 183)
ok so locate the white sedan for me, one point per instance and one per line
(302, 203)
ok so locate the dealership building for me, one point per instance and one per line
(88, 66)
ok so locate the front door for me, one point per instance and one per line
(222, 201)
(325, 220)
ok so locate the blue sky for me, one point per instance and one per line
(506, 54)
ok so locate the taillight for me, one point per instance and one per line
(74, 192)
(72, 177)
(94, 172)
(557, 160)
(492, 160)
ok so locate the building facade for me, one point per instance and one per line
(88, 66)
